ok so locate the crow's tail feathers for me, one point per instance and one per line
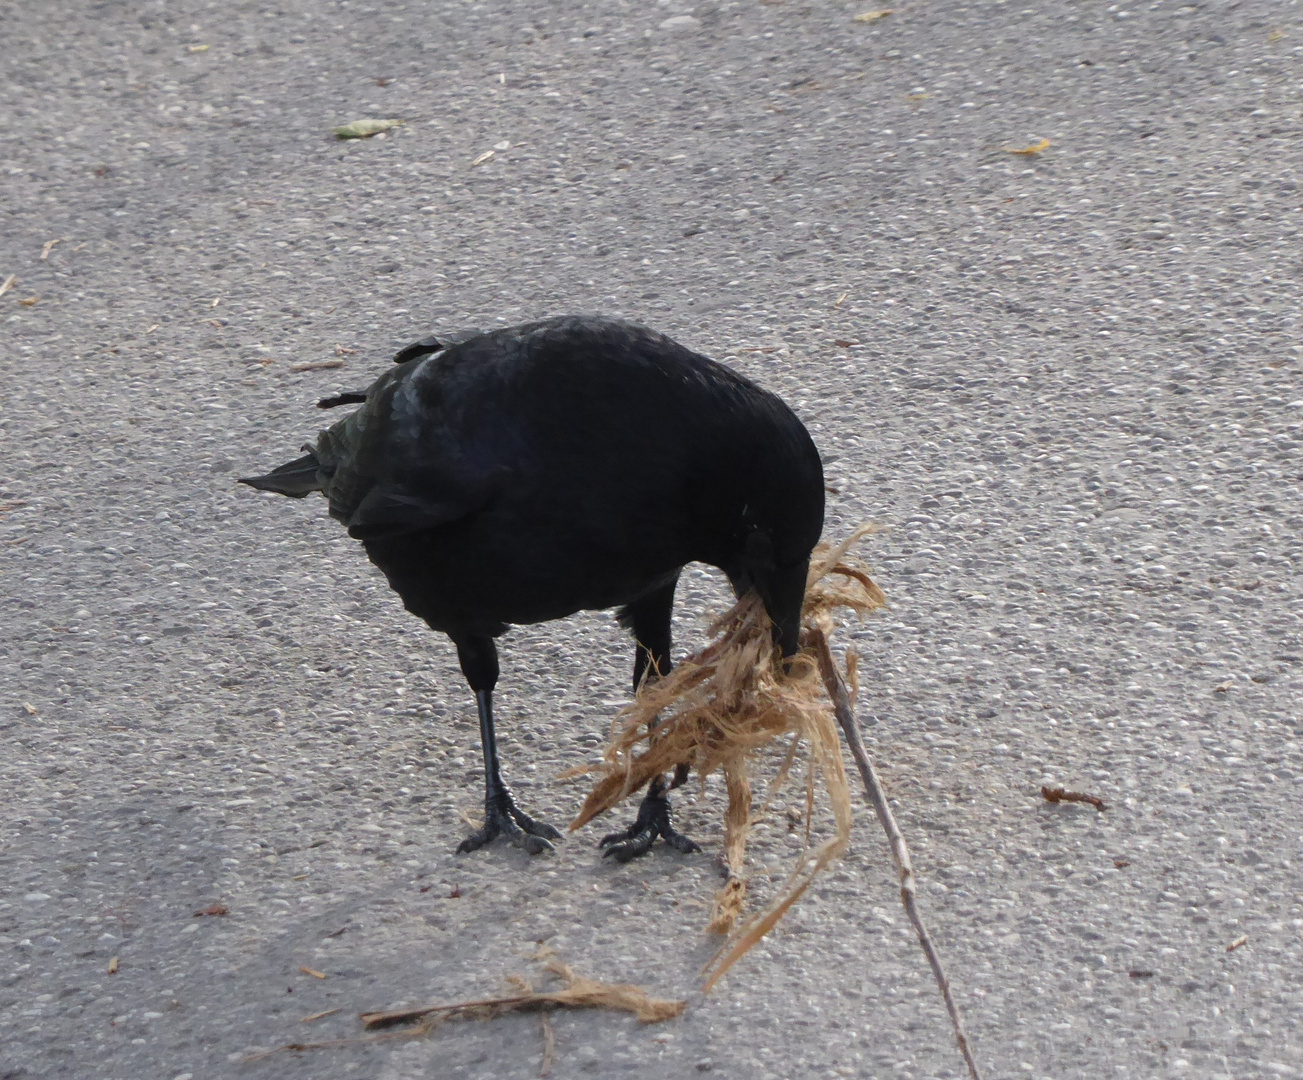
(295, 479)
(348, 397)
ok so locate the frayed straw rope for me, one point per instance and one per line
(719, 706)
(738, 695)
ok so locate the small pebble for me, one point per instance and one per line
(681, 24)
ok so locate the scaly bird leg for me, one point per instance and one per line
(502, 817)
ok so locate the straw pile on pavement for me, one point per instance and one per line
(719, 707)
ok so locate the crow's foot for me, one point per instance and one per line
(502, 817)
(654, 819)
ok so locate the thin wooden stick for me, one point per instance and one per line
(841, 700)
(549, 1045)
(402, 1016)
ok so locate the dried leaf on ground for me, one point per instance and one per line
(8, 283)
(30, 301)
(213, 909)
(1242, 940)
(484, 158)
(313, 972)
(1028, 151)
(364, 129)
(874, 16)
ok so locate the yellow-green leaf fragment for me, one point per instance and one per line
(874, 16)
(1028, 151)
(364, 129)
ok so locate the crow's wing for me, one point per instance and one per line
(404, 462)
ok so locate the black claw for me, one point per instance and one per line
(654, 819)
(502, 817)
(680, 842)
(632, 847)
(532, 825)
(535, 844)
(476, 840)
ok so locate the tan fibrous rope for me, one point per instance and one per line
(720, 706)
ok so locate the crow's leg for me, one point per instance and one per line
(649, 619)
(655, 818)
(479, 663)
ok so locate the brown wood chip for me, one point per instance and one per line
(316, 365)
(1058, 794)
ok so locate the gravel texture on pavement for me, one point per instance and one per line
(1068, 381)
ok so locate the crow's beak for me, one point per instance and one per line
(783, 593)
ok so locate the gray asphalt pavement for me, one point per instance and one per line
(1069, 382)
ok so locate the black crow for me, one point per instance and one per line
(524, 474)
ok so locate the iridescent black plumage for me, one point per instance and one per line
(524, 474)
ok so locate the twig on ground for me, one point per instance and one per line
(579, 992)
(316, 365)
(549, 1044)
(317, 1016)
(908, 892)
(330, 1044)
(1058, 794)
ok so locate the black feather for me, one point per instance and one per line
(348, 397)
(295, 479)
(417, 349)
